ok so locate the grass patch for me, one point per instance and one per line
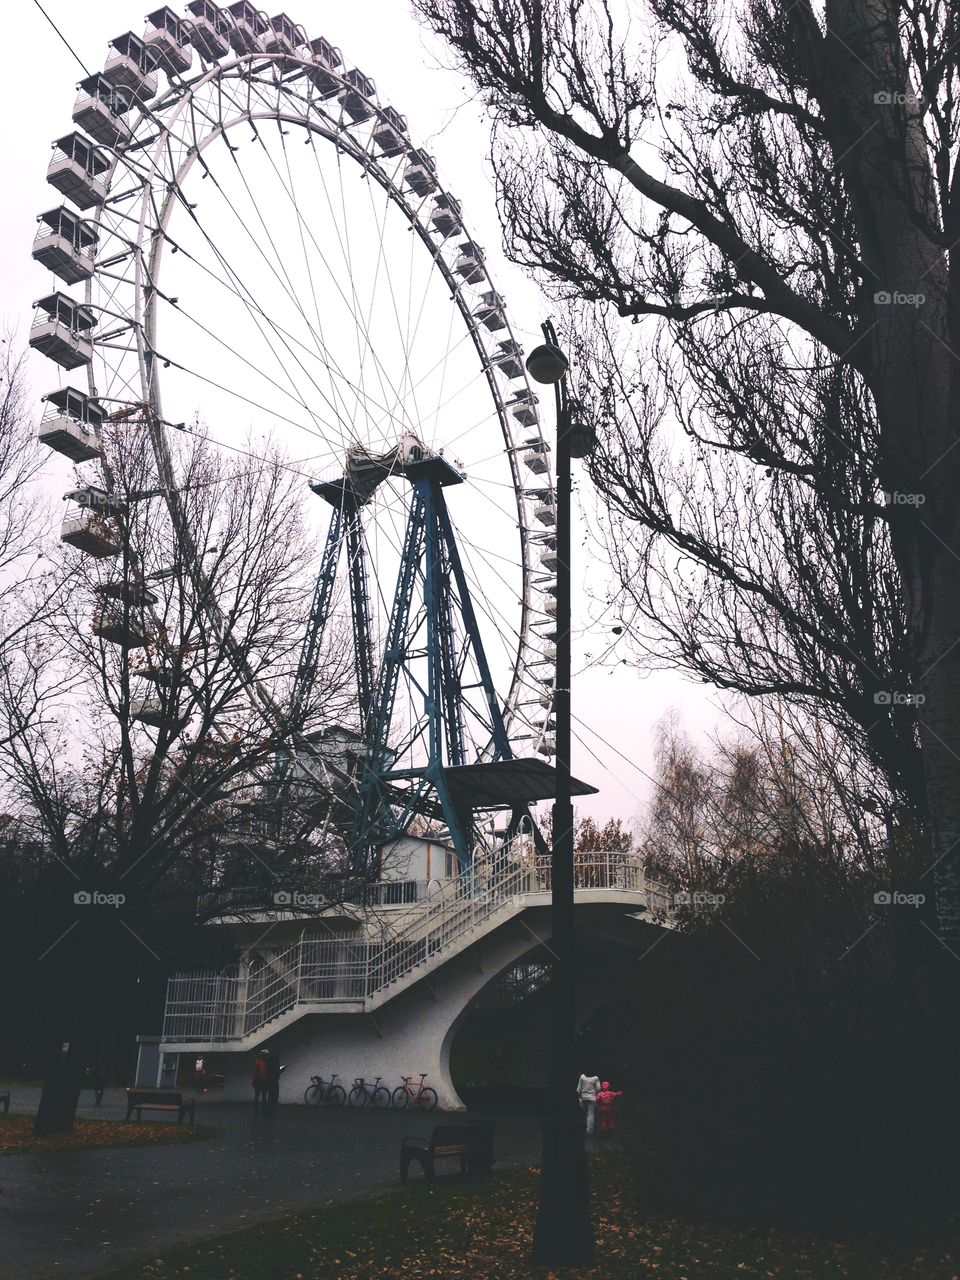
(482, 1230)
(16, 1135)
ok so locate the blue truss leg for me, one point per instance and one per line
(384, 698)
(502, 748)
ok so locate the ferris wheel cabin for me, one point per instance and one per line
(210, 29)
(168, 39)
(250, 28)
(76, 168)
(284, 36)
(98, 110)
(131, 67)
(388, 133)
(327, 59)
(420, 174)
(356, 94)
(61, 330)
(509, 359)
(72, 424)
(65, 245)
(490, 311)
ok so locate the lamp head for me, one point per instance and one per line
(582, 437)
(547, 363)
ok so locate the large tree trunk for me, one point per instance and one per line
(61, 1088)
(914, 379)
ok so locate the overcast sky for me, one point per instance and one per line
(383, 39)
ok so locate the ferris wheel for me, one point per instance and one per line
(251, 237)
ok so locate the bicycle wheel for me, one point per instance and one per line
(400, 1097)
(381, 1097)
(336, 1096)
(358, 1096)
(313, 1096)
(427, 1099)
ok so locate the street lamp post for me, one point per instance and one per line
(563, 1235)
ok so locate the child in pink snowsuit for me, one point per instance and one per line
(605, 1102)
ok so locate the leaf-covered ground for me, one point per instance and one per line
(481, 1229)
(16, 1135)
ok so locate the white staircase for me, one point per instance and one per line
(237, 1008)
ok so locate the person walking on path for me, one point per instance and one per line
(259, 1082)
(99, 1083)
(605, 1100)
(273, 1082)
(587, 1089)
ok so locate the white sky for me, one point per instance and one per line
(384, 40)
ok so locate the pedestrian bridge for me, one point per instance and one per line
(380, 988)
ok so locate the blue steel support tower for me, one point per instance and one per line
(433, 644)
(431, 560)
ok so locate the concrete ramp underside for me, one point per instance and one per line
(409, 1027)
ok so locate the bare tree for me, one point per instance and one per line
(143, 760)
(791, 233)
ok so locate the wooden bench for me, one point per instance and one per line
(5, 1100)
(159, 1100)
(472, 1144)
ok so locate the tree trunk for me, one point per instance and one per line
(914, 381)
(61, 1088)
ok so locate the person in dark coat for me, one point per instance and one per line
(259, 1082)
(99, 1078)
(272, 1061)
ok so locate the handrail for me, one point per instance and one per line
(238, 1002)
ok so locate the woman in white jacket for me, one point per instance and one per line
(587, 1089)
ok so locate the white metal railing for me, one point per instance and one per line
(239, 1001)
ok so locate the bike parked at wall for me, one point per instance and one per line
(376, 1094)
(421, 1096)
(325, 1093)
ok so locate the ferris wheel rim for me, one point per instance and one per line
(164, 112)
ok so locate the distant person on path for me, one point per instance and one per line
(273, 1082)
(259, 1082)
(587, 1089)
(605, 1098)
(99, 1077)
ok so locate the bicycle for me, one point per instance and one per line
(325, 1093)
(423, 1096)
(376, 1094)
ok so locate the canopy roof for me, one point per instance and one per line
(505, 783)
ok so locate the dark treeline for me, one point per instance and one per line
(780, 1054)
(128, 1003)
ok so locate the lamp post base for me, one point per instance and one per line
(563, 1235)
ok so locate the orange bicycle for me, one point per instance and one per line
(422, 1096)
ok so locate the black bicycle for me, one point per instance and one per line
(375, 1094)
(325, 1093)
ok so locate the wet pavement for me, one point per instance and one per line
(71, 1214)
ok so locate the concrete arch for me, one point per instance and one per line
(414, 1032)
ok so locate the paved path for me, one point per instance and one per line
(70, 1214)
